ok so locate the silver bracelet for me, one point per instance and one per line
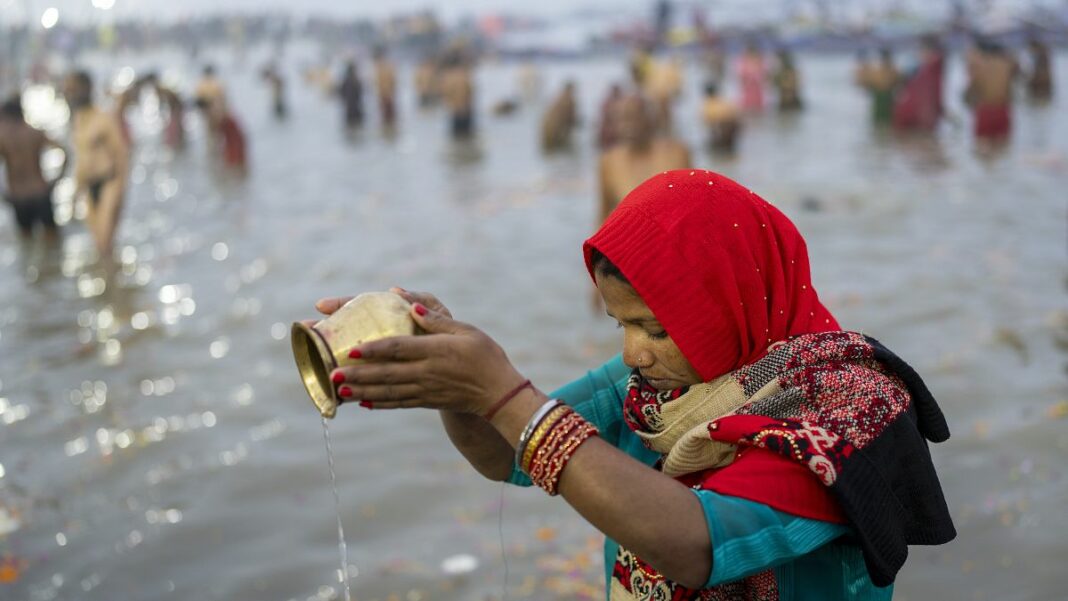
(532, 425)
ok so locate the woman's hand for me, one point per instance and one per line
(454, 366)
(327, 306)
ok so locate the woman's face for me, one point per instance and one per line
(646, 345)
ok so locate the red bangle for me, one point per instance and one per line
(553, 454)
(504, 400)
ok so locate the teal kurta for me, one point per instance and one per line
(812, 559)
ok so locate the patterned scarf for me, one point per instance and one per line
(814, 399)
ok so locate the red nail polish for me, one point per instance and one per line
(420, 309)
(355, 354)
(366, 405)
(345, 391)
(337, 378)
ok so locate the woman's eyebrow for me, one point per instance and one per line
(634, 320)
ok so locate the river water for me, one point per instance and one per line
(155, 442)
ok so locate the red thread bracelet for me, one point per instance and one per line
(504, 400)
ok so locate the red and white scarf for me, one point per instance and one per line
(810, 401)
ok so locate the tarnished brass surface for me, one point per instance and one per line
(323, 348)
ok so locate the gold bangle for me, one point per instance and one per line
(539, 462)
(539, 433)
(533, 422)
(538, 436)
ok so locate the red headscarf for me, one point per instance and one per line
(723, 271)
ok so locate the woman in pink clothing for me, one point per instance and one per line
(752, 73)
(918, 106)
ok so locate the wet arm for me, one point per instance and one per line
(480, 444)
(697, 538)
(611, 490)
(494, 457)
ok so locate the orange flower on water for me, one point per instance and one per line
(545, 533)
(10, 569)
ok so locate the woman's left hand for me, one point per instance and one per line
(454, 366)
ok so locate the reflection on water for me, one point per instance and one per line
(156, 442)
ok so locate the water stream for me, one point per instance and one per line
(343, 550)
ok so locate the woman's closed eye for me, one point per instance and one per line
(655, 334)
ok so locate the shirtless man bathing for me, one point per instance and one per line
(638, 155)
(992, 72)
(30, 195)
(102, 160)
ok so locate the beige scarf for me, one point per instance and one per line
(681, 425)
(679, 432)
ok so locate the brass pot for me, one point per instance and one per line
(324, 347)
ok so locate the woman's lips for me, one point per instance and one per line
(659, 382)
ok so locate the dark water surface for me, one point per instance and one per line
(155, 442)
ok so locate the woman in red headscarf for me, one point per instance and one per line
(742, 446)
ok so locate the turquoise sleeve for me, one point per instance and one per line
(750, 537)
(598, 397)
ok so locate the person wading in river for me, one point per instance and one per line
(881, 80)
(102, 160)
(458, 92)
(386, 88)
(29, 194)
(918, 105)
(639, 154)
(991, 72)
(560, 120)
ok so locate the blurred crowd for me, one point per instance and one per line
(635, 130)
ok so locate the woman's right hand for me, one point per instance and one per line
(452, 366)
(432, 371)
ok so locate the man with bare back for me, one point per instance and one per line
(639, 155)
(992, 72)
(28, 192)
